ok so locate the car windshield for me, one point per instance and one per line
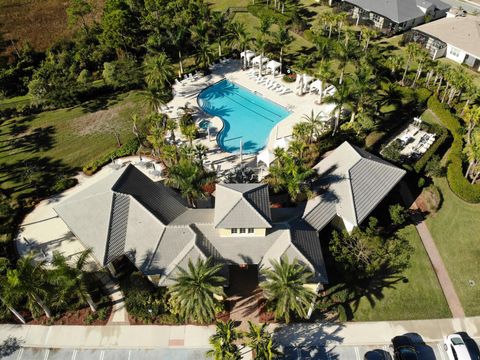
(457, 341)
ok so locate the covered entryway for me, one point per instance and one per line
(243, 293)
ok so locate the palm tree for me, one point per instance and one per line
(195, 290)
(412, 51)
(315, 124)
(265, 24)
(204, 56)
(282, 40)
(344, 54)
(363, 87)
(220, 25)
(260, 45)
(223, 342)
(240, 38)
(340, 97)
(472, 120)
(472, 92)
(158, 71)
(177, 38)
(472, 152)
(284, 288)
(72, 280)
(261, 342)
(368, 34)
(324, 74)
(422, 58)
(189, 177)
(190, 132)
(324, 47)
(154, 99)
(442, 70)
(200, 31)
(171, 126)
(394, 63)
(200, 152)
(289, 173)
(9, 297)
(28, 280)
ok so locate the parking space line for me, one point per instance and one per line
(102, 354)
(47, 352)
(441, 351)
(129, 354)
(74, 354)
(357, 353)
(20, 353)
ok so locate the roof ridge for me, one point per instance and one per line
(229, 211)
(253, 207)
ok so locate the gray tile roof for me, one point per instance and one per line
(126, 213)
(352, 183)
(399, 10)
(242, 206)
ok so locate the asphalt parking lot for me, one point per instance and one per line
(72, 354)
(430, 351)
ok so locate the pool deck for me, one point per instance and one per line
(220, 160)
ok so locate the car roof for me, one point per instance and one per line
(402, 340)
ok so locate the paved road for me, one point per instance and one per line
(73, 354)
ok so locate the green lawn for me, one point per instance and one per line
(15, 102)
(455, 229)
(419, 298)
(225, 4)
(69, 138)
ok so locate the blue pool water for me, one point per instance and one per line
(247, 117)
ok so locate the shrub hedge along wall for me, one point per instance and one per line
(455, 174)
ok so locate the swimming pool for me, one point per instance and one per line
(247, 117)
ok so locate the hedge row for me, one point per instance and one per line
(459, 185)
(129, 148)
(442, 137)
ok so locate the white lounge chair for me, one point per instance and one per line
(285, 90)
(190, 77)
(260, 79)
(272, 85)
(280, 89)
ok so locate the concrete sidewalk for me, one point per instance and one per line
(372, 333)
(109, 336)
(189, 336)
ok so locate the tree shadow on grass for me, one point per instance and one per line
(37, 176)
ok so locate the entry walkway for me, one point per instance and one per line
(443, 278)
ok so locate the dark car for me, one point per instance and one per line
(377, 355)
(403, 348)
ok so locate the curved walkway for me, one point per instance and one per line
(438, 266)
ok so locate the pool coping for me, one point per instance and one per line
(256, 93)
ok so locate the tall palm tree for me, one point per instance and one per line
(220, 28)
(9, 297)
(472, 152)
(203, 56)
(200, 31)
(177, 38)
(240, 38)
(412, 51)
(260, 45)
(261, 342)
(223, 342)
(189, 177)
(367, 35)
(363, 87)
(195, 289)
(72, 280)
(442, 71)
(324, 47)
(158, 71)
(29, 280)
(344, 54)
(282, 40)
(284, 288)
(422, 58)
(324, 74)
(340, 97)
(171, 126)
(394, 63)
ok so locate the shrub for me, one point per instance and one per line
(398, 214)
(129, 148)
(421, 182)
(373, 138)
(432, 198)
(392, 151)
(434, 167)
(457, 182)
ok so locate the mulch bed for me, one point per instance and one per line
(76, 317)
